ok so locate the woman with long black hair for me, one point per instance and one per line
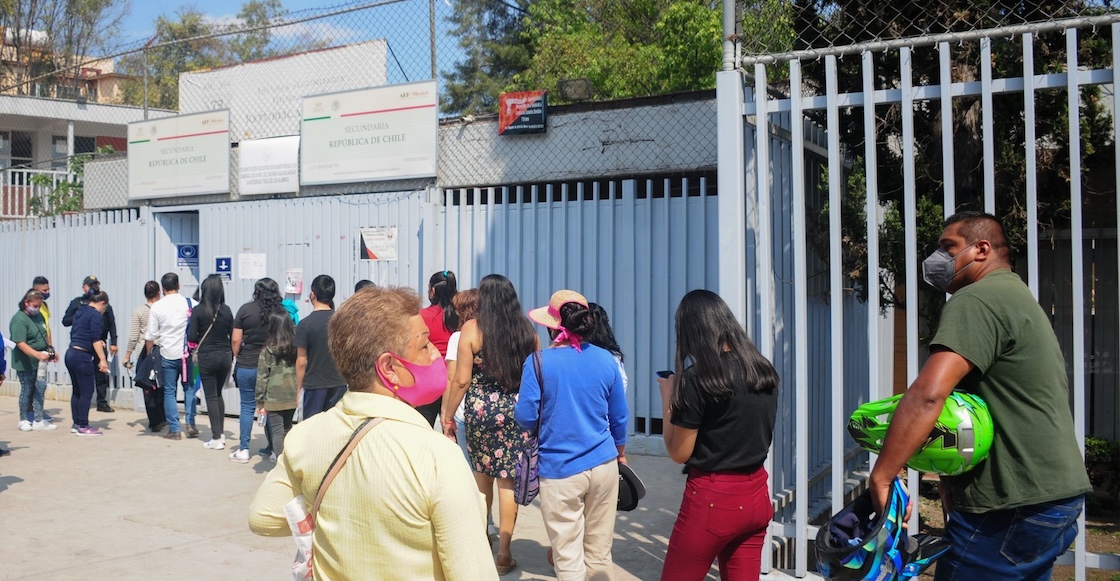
(442, 320)
(250, 332)
(602, 336)
(211, 328)
(721, 411)
(497, 342)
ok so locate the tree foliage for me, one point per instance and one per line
(856, 21)
(43, 36)
(54, 198)
(190, 41)
(490, 36)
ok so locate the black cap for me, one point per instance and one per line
(91, 281)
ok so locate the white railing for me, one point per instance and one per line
(23, 193)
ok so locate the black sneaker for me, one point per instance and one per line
(104, 407)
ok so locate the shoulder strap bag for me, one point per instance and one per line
(302, 522)
(194, 352)
(526, 484)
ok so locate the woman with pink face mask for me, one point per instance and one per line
(420, 516)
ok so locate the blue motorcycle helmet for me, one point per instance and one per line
(857, 544)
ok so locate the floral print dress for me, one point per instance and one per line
(494, 438)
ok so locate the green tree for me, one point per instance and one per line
(489, 33)
(856, 21)
(256, 44)
(52, 197)
(185, 43)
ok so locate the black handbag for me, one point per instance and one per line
(148, 370)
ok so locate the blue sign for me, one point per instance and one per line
(223, 266)
(187, 255)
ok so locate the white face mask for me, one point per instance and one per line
(937, 269)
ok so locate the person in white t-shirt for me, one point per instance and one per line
(167, 323)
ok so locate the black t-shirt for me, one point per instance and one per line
(733, 434)
(217, 339)
(254, 334)
(311, 334)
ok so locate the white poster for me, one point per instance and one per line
(252, 266)
(264, 96)
(185, 155)
(268, 166)
(378, 243)
(293, 281)
(377, 134)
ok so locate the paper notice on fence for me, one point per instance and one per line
(378, 243)
(293, 281)
(252, 266)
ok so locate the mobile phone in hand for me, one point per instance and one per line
(664, 374)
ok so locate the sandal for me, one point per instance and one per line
(507, 568)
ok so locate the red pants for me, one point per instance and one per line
(724, 515)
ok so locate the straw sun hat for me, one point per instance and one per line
(550, 316)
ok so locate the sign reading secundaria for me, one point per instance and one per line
(185, 155)
(384, 133)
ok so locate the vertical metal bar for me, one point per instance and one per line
(835, 283)
(729, 48)
(764, 242)
(1073, 95)
(910, 210)
(432, 34)
(764, 259)
(145, 51)
(1031, 162)
(949, 170)
(801, 324)
(732, 163)
(871, 167)
(986, 120)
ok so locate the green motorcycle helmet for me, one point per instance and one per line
(960, 440)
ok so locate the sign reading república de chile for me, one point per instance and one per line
(186, 155)
(384, 133)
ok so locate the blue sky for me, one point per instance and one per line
(140, 22)
(404, 24)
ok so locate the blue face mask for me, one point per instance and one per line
(46, 296)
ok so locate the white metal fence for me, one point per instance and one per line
(764, 228)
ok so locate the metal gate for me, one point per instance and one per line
(768, 222)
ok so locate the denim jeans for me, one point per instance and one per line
(1018, 543)
(81, 368)
(31, 392)
(172, 370)
(247, 392)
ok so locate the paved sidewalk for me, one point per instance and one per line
(131, 505)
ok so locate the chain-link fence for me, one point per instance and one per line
(782, 30)
(260, 65)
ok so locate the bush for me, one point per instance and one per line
(1102, 462)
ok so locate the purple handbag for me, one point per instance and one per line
(526, 478)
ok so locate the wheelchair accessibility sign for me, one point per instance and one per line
(187, 255)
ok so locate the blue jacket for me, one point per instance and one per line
(585, 413)
(3, 361)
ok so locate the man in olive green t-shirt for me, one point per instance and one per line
(1012, 515)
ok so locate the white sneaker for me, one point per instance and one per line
(272, 457)
(240, 456)
(214, 444)
(24, 426)
(42, 426)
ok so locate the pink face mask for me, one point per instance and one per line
(429, 381)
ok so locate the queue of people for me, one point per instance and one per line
(475, 358)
